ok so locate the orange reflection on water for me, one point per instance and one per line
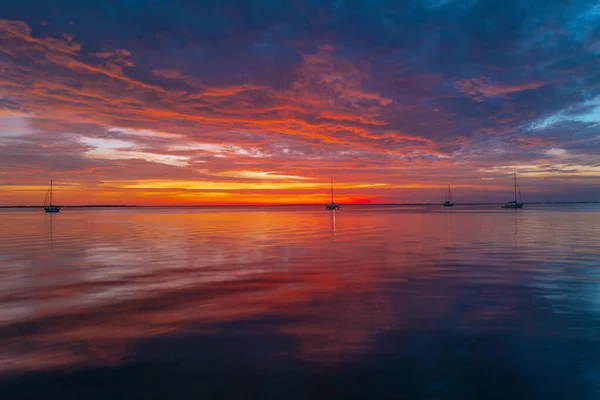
(106, 279)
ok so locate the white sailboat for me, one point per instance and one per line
(514, 203)
(332, 205)
(48, 206)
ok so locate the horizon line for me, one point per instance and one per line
(284, 205)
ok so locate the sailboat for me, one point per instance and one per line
(332, 205)
(514, 203)
(48, 202)
(448, 198)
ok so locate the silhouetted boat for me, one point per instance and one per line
(448, 198)
(514, 203)
(48, 206)
(332, 205)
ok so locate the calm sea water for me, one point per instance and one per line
(291, 303)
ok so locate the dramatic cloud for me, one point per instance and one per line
(183, 102)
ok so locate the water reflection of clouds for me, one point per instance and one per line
(141, 276)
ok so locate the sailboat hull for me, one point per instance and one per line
(448, 204)
(513, 205)
(52, 209)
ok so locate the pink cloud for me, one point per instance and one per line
(483, 87)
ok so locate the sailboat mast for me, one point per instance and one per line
(515, 186)
(332, 190)
(449, 194)
(50, 193)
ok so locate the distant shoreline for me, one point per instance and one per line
(296, 205)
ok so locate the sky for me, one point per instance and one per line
(168, 102)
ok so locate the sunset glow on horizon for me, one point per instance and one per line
(261, 102)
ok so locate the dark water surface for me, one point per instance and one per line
(298, 303)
